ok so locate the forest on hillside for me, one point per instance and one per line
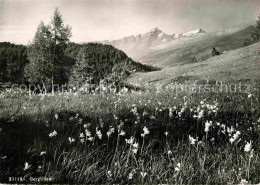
(98, 61)
(105, 60)
(13, 59)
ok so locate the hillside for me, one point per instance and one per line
(102, 61)
(13, 59)
(105, 55)
(242, 64)
(187, 51)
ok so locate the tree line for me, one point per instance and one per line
(13, 59)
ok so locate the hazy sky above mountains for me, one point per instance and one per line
(95, 20)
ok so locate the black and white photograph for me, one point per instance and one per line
(130, 92)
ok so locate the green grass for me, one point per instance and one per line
(240, 65)
(26, 123)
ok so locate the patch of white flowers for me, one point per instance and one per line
(53, 134)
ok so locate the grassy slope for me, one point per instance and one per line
(183, 51)
(26, 123)
(241, 64)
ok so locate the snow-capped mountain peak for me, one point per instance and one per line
(152, 38)
(161, 35)
(189, 34)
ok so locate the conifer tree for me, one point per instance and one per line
(46, 53)
(83, 71)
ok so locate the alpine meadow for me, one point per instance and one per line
(149, 108)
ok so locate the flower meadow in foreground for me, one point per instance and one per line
(134, 138)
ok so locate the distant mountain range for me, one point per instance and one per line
(150, 39)
(187, 51)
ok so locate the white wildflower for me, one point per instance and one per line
(43, 153)
(201, 113)
(109, 134)
(109, 173)
(248, 147)
(56, 116)
(81, 135)
(192, 140)
(236, 135)
(88, 133)
(146, 131)
(130, 176)
(122, 133)
(71, 140)
(135, 145)
(135, 150)
(26, 166)
(170, 113)
(143, 174)
(207, 125)
(130, 141)
(232, 140)
(178, 167)
(90, 138)
(99, 134)
(53, 134)
(111, 130)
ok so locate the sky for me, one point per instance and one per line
(96, 20)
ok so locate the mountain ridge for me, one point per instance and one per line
(152, 38)
(193, 50)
